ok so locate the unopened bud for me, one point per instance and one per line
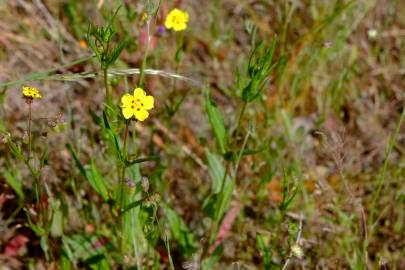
(145, 184)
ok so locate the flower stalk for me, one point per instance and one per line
(29, 101)
(107, 87)
(124, 157)
(29, 94)
(122, 185)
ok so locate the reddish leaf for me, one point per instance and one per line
(16, 246)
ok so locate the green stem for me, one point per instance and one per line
(34, 174)
(177, 58)
(122, 185)
(107, 88)
(228, 164)
(145, 55)
(29, 129)
(36, 182)
(242, 112)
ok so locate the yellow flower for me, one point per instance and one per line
(136, 105)
(31, 92)
(177, 20)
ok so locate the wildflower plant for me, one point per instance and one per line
(134, 106)
(40, 214)
(259, 68)
(30, 93)
(177, 21)
(100, 40)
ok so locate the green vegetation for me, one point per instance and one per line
(261, 134)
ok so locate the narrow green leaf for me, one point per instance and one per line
(65, 263)
(117, 51)
(216, 171)
(211, 205)
(218, 201)
(265, 252)
(132, 205)
(132, 160)
(97, 181)
(105, 119)
(92, 174)
(208, 263)
(180, 231)
(14, 183)
(15, 150)
(77, 161)
(217, 123)
(80, 247)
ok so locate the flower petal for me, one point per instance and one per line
(141, 114)
(127, 112)
(168, 22)
(127, 100)
(185, 14)
(179, 27)
(148, 102)
(139, 94)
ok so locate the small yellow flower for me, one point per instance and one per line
(31, 92)
(137, 105)
(177, 20)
